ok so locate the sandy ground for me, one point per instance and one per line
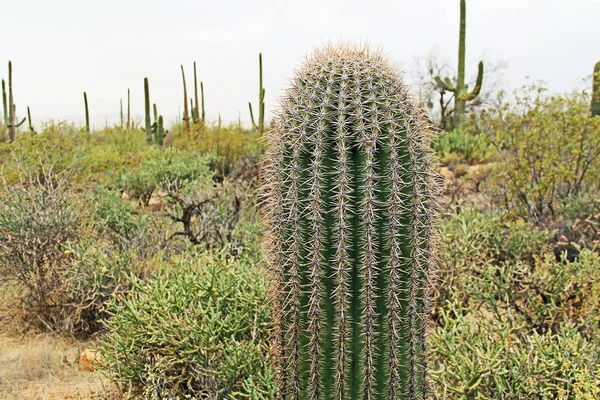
(46, 367)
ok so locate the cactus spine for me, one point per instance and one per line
(186, 115)
(351, 210)
(87, 112)
(148, 125)
(261, 101)
(596, 91)
(461, 95)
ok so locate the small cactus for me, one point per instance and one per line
(351, 211)
(596, 91)
(160, 131)
(148, 125)
(186, 114)
(87, 112)
(261, 101)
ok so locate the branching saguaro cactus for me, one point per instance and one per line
(596, 90)
(460, 90)
(350, 197)
(261, 101)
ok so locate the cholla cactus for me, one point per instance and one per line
(350, 198)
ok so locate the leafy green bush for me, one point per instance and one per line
(550, 149)
(470, 147)
(199, 328)
(170, 170)
(118, 219)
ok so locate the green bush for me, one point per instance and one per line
(470, 147)
(170, 170)
(36, 220)
(119, 219)
(199, 329)
(236, 152)
(550, 150)
(477, 358)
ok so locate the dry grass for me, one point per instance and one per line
(45, 367)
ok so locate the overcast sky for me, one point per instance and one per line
(60, 48)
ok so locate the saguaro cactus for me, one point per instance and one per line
(186, 114)
(596, 90)
(461, 95)
(87, 112)
(261, 101)
(351, 211)
(147, 124)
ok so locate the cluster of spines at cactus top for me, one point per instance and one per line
(350, 197)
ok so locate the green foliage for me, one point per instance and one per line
(351, 204)
(472, 148)
(118, 218)
(170, 170)
(236, 153)
(595, 107)
(36, 219)
(550, 148)
(200, 328)
(483, 359)
(511, 321)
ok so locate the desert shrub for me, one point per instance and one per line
(209, 217)
(169, 170)
(236, 152)
(470, 147)
(36, 220)
(118, 219)
(199, 329)
(474, 357)
(580, 220)
(550, 148)
(474, 243)
(92, 277)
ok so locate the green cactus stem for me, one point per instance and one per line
(121, 114)
(128, 109)
(87, 112)
(29, 119)
(203, 119)
(12, 128)
(460, 90)
(595, 107)
(160, 131)
(4, 104)
(350, 198)
(186, 114)
(195, 107)
(261, 101)
(147, 124)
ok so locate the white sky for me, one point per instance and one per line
(59, 48)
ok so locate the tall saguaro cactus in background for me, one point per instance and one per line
(186, 114)
(596, 91)
(261, 101)
(147, 124)
(12, 123)
(460, 90)
(351, 211)
(87, 112)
